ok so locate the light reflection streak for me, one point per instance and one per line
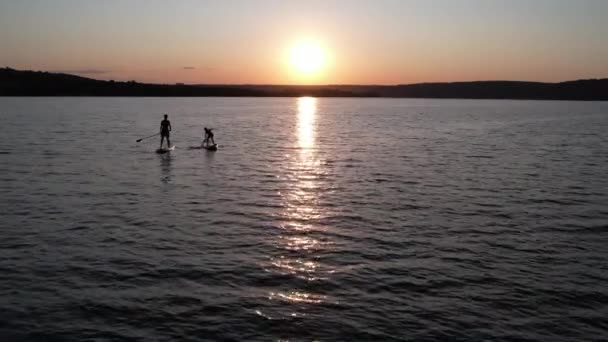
(301, 211)
(302, 199)
(307, 111)
(298, 297)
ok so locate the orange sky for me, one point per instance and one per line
(363, 42)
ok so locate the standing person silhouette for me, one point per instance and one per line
(165, 128)
(208, 136)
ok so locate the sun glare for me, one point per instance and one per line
(307, 60)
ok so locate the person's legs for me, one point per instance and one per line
(168, 141)
(162, 138)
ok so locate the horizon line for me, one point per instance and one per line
(60, 72)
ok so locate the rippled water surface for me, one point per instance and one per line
(317, 219)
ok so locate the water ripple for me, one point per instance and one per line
(317, 219)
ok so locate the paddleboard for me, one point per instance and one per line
(211, 147)
(165, 149)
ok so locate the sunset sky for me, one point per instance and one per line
(308, 42)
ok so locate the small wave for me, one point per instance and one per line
(480, 157)
(551, 201)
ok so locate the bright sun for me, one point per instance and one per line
(307, 59)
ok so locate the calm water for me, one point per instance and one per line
(318, 219)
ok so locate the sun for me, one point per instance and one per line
(307, 59)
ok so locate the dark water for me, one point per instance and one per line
(318, 219)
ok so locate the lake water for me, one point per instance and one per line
(317, 219)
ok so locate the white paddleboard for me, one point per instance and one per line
(165, 149)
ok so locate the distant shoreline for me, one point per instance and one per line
(291, 97)
(45, 84)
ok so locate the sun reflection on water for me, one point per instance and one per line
(300, 244)
(295, 296)
(307, 110)
(302, 198)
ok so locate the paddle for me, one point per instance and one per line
(138, 140)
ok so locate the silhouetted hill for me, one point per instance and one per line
(37, 83)
(571, 90)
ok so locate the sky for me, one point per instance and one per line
(348, 41)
